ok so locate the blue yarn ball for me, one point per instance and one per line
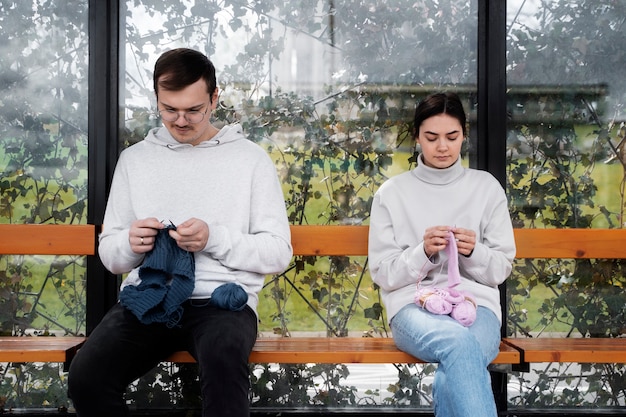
(229, 296)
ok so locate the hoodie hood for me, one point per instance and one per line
(227, 134)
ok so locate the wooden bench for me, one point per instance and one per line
(569, 244)
(39, 349)
(331, 241)
(16, 239)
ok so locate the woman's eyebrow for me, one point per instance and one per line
(428, 132)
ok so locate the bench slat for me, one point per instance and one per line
(47, 239)
(531, 243)
(587, 350)
(337, 350)
(313, 240)
(571, 243)
(39, 349)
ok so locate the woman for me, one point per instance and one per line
(413, 218)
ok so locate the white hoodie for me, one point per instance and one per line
(228, 182)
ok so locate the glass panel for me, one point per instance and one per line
(43, 171)
(566, 96)
(329, 89)
(43, 148)
(566, 101)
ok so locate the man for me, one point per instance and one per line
(194, 211)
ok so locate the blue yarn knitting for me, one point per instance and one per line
(167, 280)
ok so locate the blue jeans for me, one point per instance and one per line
(462, 385)
(121, 349)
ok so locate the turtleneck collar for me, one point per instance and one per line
(438, 176)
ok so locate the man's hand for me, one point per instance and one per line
(191, 235)
(142, 234)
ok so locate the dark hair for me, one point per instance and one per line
(179, 68)
(439, 103)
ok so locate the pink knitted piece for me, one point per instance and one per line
(454, 276)
(459, 305)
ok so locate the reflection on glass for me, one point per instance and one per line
(566, 169)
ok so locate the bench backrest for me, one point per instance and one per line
(312, 240)
(47, 239)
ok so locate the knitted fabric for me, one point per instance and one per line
(167, 280)
(459, 305)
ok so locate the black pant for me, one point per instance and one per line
(121, 349)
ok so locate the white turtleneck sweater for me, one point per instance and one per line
(406, 205)
(228, 181)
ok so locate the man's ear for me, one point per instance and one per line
(215, 97)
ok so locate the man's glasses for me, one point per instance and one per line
(193, 116)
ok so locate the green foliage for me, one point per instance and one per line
(34, 386)
(167, 385)
(301, 386)
(411, 389)
(571, 386)
(40, 297)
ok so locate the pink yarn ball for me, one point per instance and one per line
(464, 313)
(433, 300)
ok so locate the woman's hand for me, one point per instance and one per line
(465, 240)
(436, 239)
